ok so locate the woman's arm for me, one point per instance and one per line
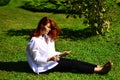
(35, 53)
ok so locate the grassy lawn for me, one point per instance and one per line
(17, 23)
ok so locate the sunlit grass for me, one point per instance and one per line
(17, 23)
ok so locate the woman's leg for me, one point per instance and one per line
(75, 66)
(69, 65)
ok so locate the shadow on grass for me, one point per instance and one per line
(21, 32)
(20, 66)
(48, 10)
(77, 34)
(67, 33)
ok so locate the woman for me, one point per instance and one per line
(42, 57)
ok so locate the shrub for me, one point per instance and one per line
(44, 5)
(4, 2)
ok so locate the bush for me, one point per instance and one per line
(4, 2)
(44, 5)
(118, 2)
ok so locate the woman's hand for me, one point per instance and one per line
(54, 58)
(65, 53)
(57, 57)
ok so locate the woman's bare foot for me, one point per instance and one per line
(105, 69)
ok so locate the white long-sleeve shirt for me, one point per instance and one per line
(37, 53)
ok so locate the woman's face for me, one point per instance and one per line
(47, 28)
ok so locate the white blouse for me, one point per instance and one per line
(37, 53)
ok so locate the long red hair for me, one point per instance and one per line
(54, 32)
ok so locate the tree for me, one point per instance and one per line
(93, 11)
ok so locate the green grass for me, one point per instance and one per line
(15, 25)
